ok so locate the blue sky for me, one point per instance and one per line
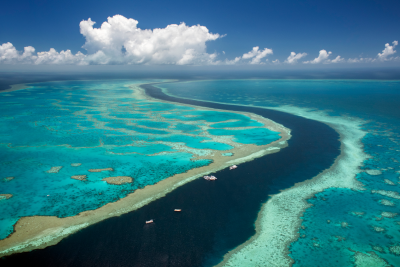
(351, 29)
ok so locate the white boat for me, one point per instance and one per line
(151, 221)
(232, 167)
(210, 178)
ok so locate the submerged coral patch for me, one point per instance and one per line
(395, 250)
(5, 196)
(101, 170)
(373, 172)
(55, 169)
(79, 177)
(118, 180)
(76, 164)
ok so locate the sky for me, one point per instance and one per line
(273, 34)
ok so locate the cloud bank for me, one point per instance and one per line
(119, 41)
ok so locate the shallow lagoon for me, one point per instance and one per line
(47, 129)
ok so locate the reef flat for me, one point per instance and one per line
(111, 127)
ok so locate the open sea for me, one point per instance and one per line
(343, 227)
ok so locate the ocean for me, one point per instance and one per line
(216, 218)
(341, 226)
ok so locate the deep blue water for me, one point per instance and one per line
(215, 218)
(341, 222)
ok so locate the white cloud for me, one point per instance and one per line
(389, 50)
(233, 61)
(257, 54)
(63, 57)
(338, 59)
(292, 59)
(9, 54)
(322, 57)
(384, 56)
(252, 53)
(120, 41)
(360, 60)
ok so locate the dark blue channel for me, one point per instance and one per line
(216, 216)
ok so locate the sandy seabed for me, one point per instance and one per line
(41, 231)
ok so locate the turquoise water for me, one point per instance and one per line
(341, 223)
(82, 125)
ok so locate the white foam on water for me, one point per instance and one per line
(279, 219)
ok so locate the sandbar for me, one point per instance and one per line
(41, 231)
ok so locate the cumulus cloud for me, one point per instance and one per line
(256, 55)
(9, 54)
(338, 59)
(384, 56)
(388, 51)
(233, 61)
(120, 41)
(292, 59)
(322, 57)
